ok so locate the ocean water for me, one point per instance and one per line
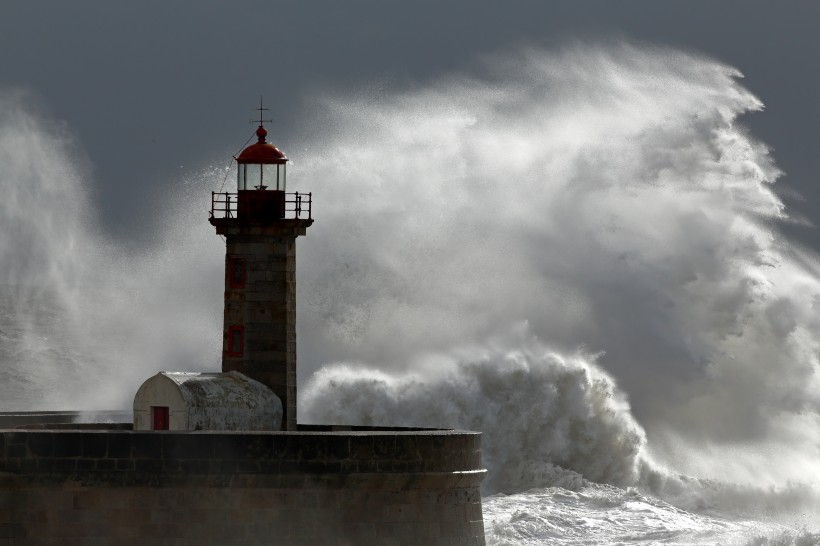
(575, 251)
(601, 514)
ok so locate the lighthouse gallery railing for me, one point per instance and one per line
(297, 205)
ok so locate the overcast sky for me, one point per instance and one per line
(157, 89)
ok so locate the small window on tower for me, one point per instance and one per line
(236, 272)
(160, 417)
(235, 340)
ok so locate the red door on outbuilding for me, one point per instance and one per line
(160, 417)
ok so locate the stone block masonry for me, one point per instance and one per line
(260, 305)
(321, 485)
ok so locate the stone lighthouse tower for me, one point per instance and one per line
(260, 223)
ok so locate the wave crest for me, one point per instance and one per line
(546, 419)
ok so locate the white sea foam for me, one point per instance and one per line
(599, 514)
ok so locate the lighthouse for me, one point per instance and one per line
(222, 440)
(260, 223)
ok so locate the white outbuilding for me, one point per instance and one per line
(206, 401)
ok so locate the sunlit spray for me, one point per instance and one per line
(609, 200)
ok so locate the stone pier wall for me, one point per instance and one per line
(354, 487)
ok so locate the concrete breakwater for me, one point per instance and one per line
(86, 484)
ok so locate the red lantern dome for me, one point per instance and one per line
(262, 152)
(261, 165)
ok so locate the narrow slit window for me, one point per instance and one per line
(236, 272)
(236, 340)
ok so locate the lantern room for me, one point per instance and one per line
(261, 166)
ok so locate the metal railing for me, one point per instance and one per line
(297, 205)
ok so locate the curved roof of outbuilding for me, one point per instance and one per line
(230, 389)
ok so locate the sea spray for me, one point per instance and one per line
(83, 320)
(607, 196)
(43, 210)
(613, 202)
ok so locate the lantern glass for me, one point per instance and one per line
(269, 175)
(252, 176)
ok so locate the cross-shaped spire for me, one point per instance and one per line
(261, 110)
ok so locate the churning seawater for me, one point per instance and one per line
(575, 252)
